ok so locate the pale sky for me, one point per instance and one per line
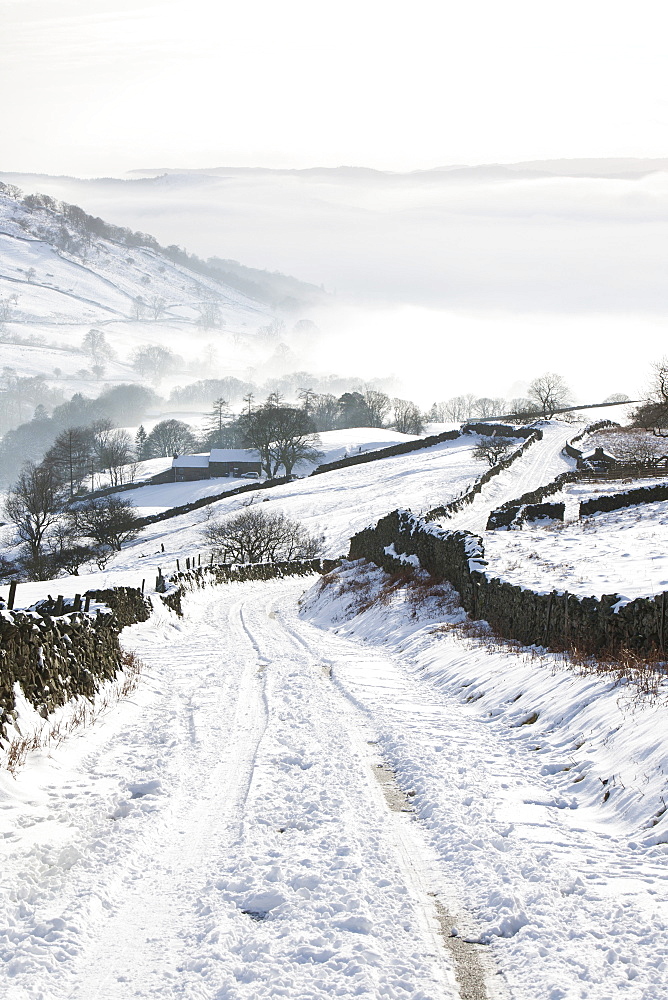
(94, 87)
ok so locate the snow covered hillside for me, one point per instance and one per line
(58, 279)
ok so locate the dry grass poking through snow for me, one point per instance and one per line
(360, 587)
(76, 715)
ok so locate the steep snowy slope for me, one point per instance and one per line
(61, 273)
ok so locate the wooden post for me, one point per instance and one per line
(211, 563)
(549, 618)
(77, 603)
(199, 558)
(142, 586)
(162, 546)
(87, 603)
(59, 605)
(187, 564)
(178, 568)
(12, 595)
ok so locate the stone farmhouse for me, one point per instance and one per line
(220, 462)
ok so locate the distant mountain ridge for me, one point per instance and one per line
(566, 167)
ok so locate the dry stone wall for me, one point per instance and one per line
(402, 448)
(56, 658)
(504, 515)
(627, 498)
(557, 619)
(530, 434)
(205, 576)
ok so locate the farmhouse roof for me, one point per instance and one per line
(234, 455)
(190, 462)
(599, 454)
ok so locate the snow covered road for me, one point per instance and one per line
(226, 839)
(539, 464)
(225, 836)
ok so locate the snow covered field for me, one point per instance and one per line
(333, 444)
(541, 463)
(223, 833)
(622, 552)
(50, 294)
(335, 504)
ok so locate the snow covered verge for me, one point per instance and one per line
(541, 787)
(29, 731)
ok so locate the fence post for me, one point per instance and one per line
(549, 617)
(142, 587)
(77, 603)
(59, 605)
(178, 568)
(12, 595)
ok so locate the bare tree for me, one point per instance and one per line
(157, 305)
(154, 362)
(283, 435)
(487, 406)
(114, 454)
(325, 412)
(407, 417)
(378, 405)
(34, 504)
(549, 392)
(70, 457)
(8, 310)
(459, 408)
(170, 437)
(617, 397)
(69, 551)
(139, 307)
(653, 413)
(209, 314)
(492, 449)
(254, 535)
(96, 347)
(109, 521)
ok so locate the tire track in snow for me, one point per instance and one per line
(471, 971)
(161, 913)
(267, 635)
